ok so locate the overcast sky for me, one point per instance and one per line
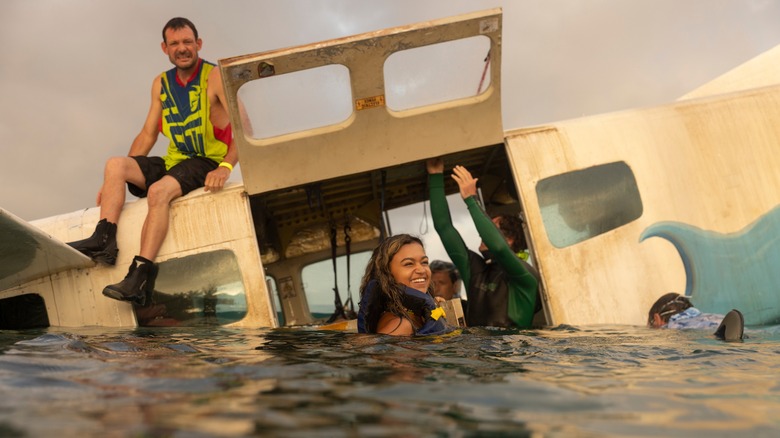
(76, 74)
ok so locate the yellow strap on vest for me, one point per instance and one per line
(437, 313)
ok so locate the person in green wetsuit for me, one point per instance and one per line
(502, 289)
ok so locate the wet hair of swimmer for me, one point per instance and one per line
(511, 226)
(668, 305)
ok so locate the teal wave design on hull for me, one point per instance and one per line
(739, 270)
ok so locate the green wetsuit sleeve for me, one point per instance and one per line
(522, 283)
(442, 223)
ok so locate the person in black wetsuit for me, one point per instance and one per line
(502, 289)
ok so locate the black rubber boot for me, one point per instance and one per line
(153, 270)
(732, 328)
(137, 285)
(101, 245)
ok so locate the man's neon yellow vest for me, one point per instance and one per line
(185, 117)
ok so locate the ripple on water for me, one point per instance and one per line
(219, 382)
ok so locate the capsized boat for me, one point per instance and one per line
(619, 208)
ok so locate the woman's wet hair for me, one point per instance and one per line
(668, 305)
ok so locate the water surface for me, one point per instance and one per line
(566, 381)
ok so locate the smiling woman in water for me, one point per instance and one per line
(396, 294)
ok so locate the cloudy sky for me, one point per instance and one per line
(76, 74)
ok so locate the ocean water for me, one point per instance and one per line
(219, 382)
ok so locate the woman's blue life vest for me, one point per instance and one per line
(420, 303)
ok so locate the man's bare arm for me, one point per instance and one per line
(215, 180)
(146, 139)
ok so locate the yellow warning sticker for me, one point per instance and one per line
(370, 102)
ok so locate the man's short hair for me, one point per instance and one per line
(449, 268)
(179, 23)
(511, 226)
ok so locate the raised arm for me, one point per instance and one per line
(442, 221)
(487, 230)
(523, 284)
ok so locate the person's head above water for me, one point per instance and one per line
(397, 263)
(511, 227)
(666, 306)
(445, 279)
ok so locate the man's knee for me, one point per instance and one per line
(121, 167)
(163, 191)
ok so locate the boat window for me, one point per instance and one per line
(318, 283)
(201, 289)
(23, 312)
(437, 73)
(579, 205)
(328, 100)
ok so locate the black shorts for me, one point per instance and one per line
(190, 173)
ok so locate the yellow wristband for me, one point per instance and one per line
(226, 164)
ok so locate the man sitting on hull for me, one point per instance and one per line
(189, 108)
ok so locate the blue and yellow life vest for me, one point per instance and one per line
(185, 117)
